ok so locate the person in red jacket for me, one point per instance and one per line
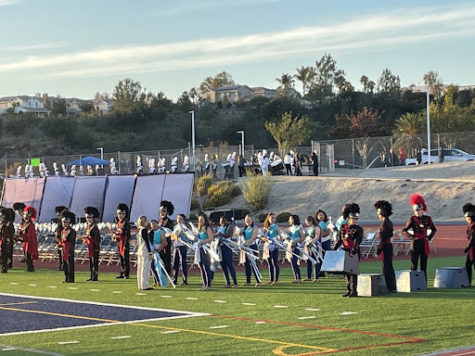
(28, 237)
(68, 242)
(122, 236)
(469, 214)
(92, 240)
(420, 229)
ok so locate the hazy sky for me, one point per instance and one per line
(79, 47)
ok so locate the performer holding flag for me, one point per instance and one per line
(59, 210)
(28, 237)
(180, 250)
(166, 210)
(7, 232)
(225, 232)
(271, 252)
(68, 242)
(296, 237)
(420, 229)
(159, 242)
(122, 235)
(92, 240)
(249, 240)
(144, 253)
(350, 236)
(313, 246)
(469, 214)
(384, 210)
(18, 208)
(205, 236)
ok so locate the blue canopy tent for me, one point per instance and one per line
(88, 161)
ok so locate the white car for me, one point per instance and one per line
(450, 155)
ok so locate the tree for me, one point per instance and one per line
(409, 128)
(305, 75)
(223, 79)
(286, 83)
(326, 76)
(432, 80)
(290, 131)
(389, 83)
(128, 96)
(368, 85)
(59, 106)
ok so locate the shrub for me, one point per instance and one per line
(282, 217)
(256, 191)
(194, 204)
(203, 183)
(219, 194)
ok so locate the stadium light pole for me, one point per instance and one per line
(102, 154)
(192, 112)
(242, 142)
(428, 126)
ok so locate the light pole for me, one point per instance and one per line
(242, 142)
(193, 144)
(428, 126)
(102, 154)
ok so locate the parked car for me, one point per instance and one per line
(450, 155)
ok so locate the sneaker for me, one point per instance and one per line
(353, 295)
(227, 286)
(257, 285)
(89, 279)
(245, 284)
(346, 294)
(270, 282)
(308, 279)
(120, 276)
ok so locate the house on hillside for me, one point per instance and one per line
(103, 105)
(230, 94)
(24, 104)
(265, 92)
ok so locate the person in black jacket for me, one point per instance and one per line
(384, 210)
(122, 235)
(420, 229)
(350, 236)
(92, 240)
(7, 233)
(68, 242)
(166, 210)
(59, 210)
(469, 214)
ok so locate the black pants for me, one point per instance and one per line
(125, 262)
(468, 266)
(4, 257)
(94, 264)
(242, 171)
(29, 263)
(315, 170)
(418, 250)
(180, 259)
(166, 256)
(288, 169)
(388, 269)
(10, 255)
(60, 255)
(351, 283)
(69, 269)
(248, 267)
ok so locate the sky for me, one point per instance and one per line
(76, 48)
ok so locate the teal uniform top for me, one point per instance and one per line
(157, 237)
(273, 231)
(223, 230)
(311, 232)
(248, 233)
(295, 232)
(203, 235)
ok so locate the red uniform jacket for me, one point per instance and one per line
(29, 239)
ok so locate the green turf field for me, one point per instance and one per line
(286, 319)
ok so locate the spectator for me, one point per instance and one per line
(315, 163)
(402, 156)
(241, 165)
(441, 154)
(298, 164)
(288, 164)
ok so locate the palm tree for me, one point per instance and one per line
(304, 74)
(286, 82)
(409, 128)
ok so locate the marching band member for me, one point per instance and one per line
(385, 249)
(144, 252)
(93, 241)
(18, 208)
(159, 242)
(28, 237)
(271, 252)
(350, 236)
(207, 164)
(205, 235)
(180, 250)
(469, 214)
(420, 229)
(166, 210)
(7, 233)
(122, 235)
(249, 239)
(296, 236)
(224, 232)
(313, 233)
(341, 220)
(59, 210)
(326, 234)
(214, 166)
(68, 242)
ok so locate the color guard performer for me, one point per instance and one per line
(7, 233)
(271, 251)
(420, 229)
(59, 210)
(469, 214)
(350, 236)
(384, 210)
(68, 242)
(314, 233)
(296, 236)
(225, 232)
(180, 250)
(18, 208)
(158, 239)
(28, 237)
(93, 241)
(205, 235)
(249, 239)
(122, 235)
(166, 210)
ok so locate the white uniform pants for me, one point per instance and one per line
(143, 271)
